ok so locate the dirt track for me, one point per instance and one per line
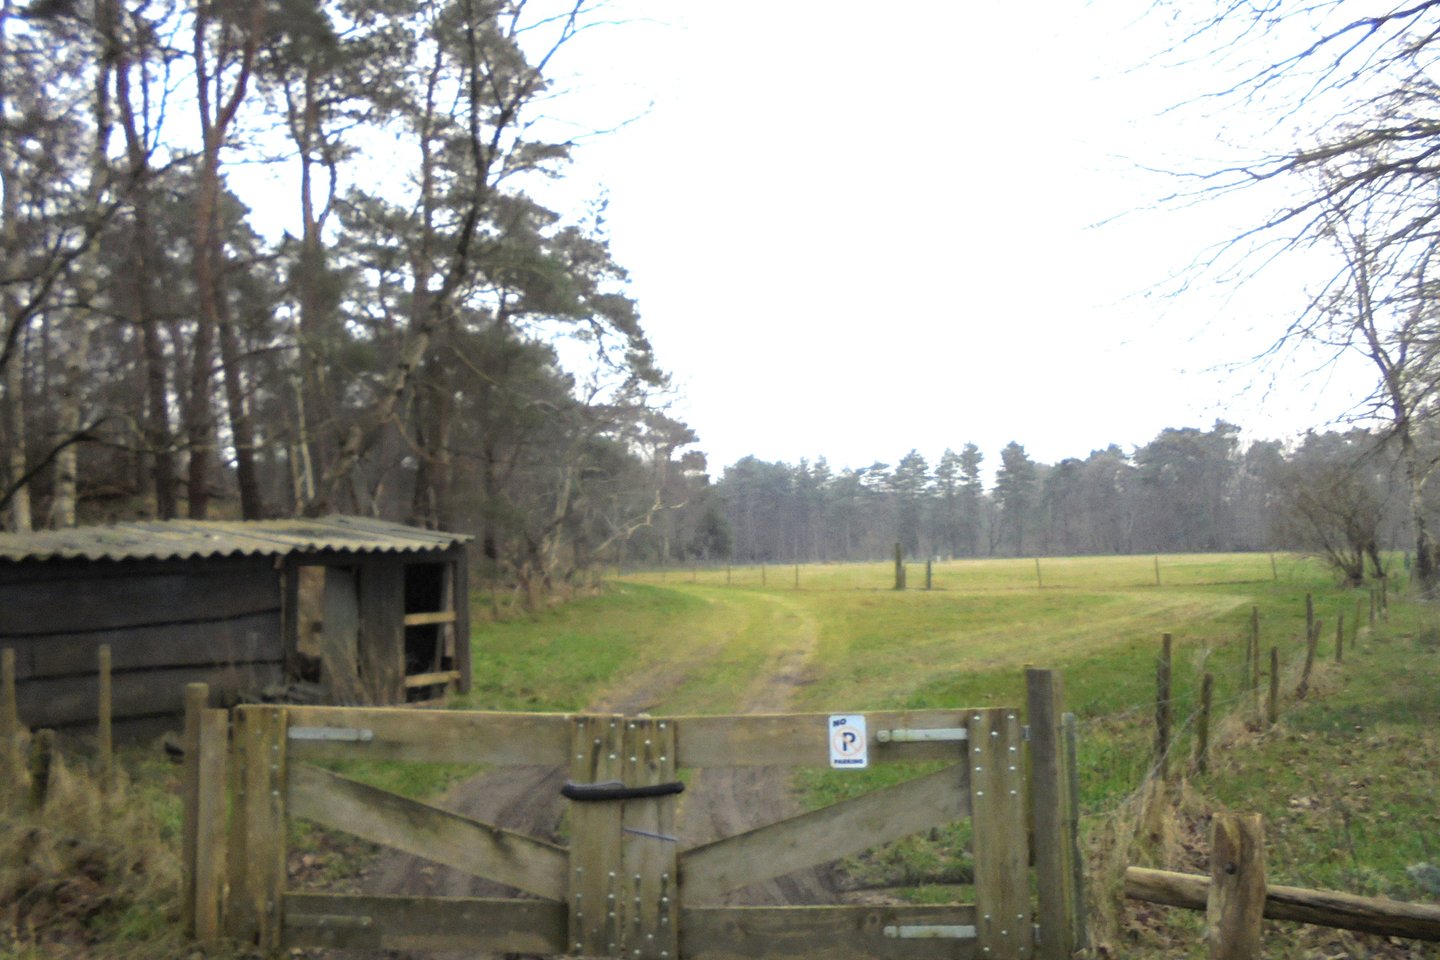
(718, 802)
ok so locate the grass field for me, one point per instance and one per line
(1343, 781)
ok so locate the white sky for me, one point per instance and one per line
(856, 229)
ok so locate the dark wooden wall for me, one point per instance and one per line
(168, 623)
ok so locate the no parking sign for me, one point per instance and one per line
(848, 741)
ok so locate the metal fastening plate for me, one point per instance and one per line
(930, 931)
(342, 734)
(937, 734)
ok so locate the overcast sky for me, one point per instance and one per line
(853, 230)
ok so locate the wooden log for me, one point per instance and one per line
(197, 696)
(403, 923)
(426, 831)
(1235, 905)
(821, 836)
(1051, 809)
(104, 735)
(1000, 843)
(1309, 614)
(1325, 908)
(1162, 709)
(824, 933)
(1202, 724)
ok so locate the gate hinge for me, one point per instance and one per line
(930, 931)
(341, 734)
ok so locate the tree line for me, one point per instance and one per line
(427, 340)
(1338, 494)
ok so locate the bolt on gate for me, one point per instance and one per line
(623, 887)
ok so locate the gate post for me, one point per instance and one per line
(597, 742)
(1050, 787)
(1001, 848)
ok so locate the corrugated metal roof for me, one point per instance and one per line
(189, 539)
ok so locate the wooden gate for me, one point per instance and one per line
(624, 887)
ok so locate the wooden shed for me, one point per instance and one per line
(338, 609)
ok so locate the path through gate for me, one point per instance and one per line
(622, 887)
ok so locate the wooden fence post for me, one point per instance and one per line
(929, 574)
(1235, 906)
(1052, 811)
(105, 741)
(1340, 638)
(1039, 580)
(1157, 569)
(1162, 709)
(1273, 712)
(1274, 570)
(1355, 630)
(1309, 614)
(899, 567)
(1202, 730)
(9, 730)
(1071, 727)
(1312, 640)
(197, 696)
(42, 759)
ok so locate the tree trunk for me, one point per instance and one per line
(13, 367)
(242, 427)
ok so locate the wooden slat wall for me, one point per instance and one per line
(142, 693)
(108, 596)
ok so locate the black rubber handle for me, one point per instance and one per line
(615, 790)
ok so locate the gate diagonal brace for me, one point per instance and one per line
(616, 790)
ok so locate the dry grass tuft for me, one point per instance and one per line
(92, 873)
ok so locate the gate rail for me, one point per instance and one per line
(623, 887)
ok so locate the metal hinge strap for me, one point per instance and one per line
(930, 931)
(341, 734)
(922, 736)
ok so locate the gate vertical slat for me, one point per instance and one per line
(239, 923)
(595, 846)
(1054, 869)
(213, 819)
(265, 827)
(1001, 844)
(649, 902)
